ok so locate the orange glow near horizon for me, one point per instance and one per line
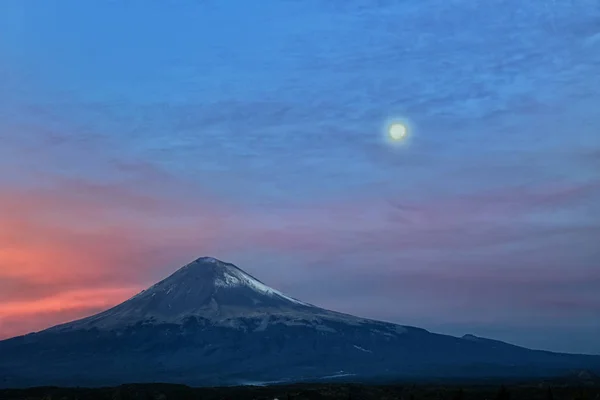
(77, 299)
(65, 256)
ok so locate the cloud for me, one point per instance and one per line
(19, 324)
(78, 233)
(66, 301)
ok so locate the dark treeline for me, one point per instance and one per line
(308, 392)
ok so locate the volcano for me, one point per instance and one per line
(211, 323)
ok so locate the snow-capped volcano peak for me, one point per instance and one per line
(208, 260)
(227, 275)
(205, 288)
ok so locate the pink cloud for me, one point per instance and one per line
(78, 239)
(19, 324)
(68, 300)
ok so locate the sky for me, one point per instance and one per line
(137, 136)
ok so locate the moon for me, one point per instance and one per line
(397, 131)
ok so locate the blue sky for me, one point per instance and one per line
(139, 135)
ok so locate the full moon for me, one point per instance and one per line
(397, 131)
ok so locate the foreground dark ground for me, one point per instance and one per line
(532, 391)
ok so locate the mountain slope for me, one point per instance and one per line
(209, 289)
(210, 323)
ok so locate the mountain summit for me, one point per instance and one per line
(205, 288)
(211, 323)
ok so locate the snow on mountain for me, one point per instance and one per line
(361, 349)
(231, 276)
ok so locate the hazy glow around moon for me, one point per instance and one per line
(397, 131)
